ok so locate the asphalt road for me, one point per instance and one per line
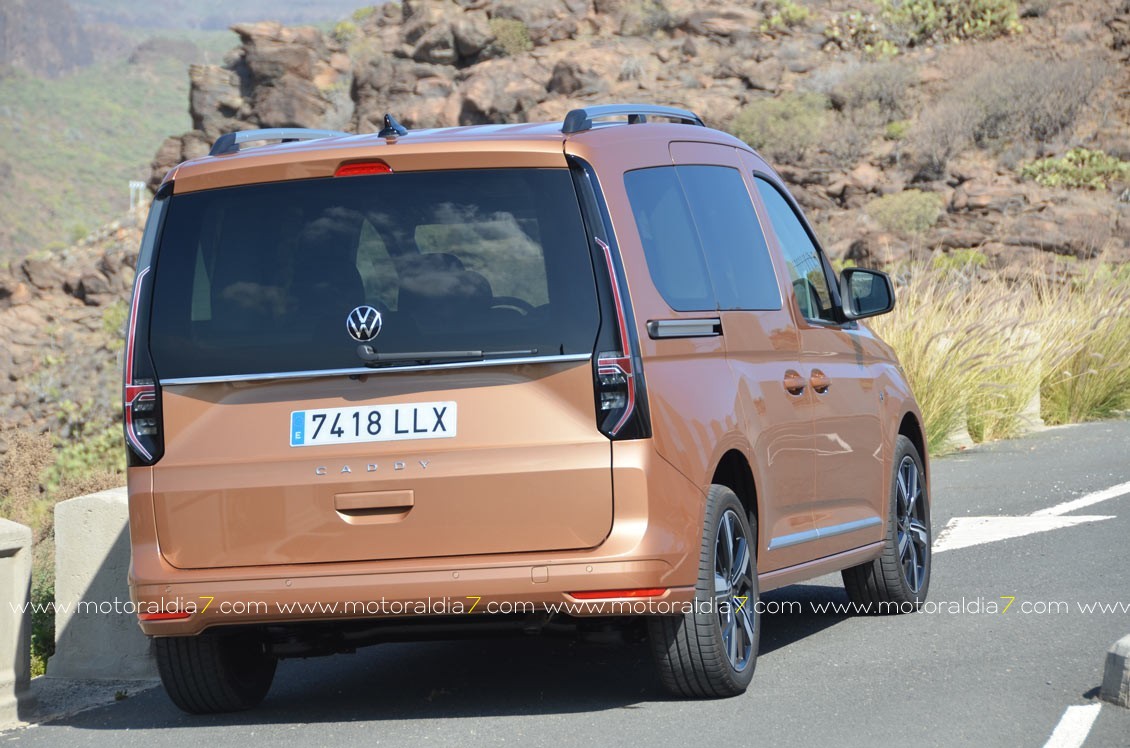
(951, 676)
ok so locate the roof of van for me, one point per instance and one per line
(539, 144)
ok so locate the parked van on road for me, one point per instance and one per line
(591, 372)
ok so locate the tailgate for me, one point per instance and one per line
(525, 471)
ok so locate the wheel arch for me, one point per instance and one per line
(733, 471)
(911, 428)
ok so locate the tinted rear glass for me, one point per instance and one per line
(705, 249)
(261, 278)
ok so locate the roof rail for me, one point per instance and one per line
(580, 120)
(230, 142)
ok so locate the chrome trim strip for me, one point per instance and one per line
(684, 328)
(795, 539)
(275, 376)
(846, 527)
(823, 532)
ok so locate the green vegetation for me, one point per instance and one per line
(855, 29)
(511, 36)
(918, 22)
(784, 128)
(976, 357)
(782, 14)
(71, 146)
(1079, 168)
(910, 212)
(959, 261)
(914, 23)
(344, 31)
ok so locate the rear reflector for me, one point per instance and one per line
(362, 168)
(615, 594)
(171, 616)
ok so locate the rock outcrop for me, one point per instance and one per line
(435, 63)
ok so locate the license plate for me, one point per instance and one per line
(372, 423)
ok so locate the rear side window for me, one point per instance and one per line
(705, 249)
(261, 278)
(670, 242)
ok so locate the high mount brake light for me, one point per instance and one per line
(363, 168)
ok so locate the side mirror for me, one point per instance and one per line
(865, 293)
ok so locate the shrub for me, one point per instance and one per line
(781, 14)
(855, 29)
(959, 261)
(1079, 168)
(851, 133)
(1025, 101)
(897, 130)
(918, 22)
(977, 350)
(1087, 375)
(784, 128)
(343, 31)
(909, 212)
(362, 14)
(882, 85)
(511, 36)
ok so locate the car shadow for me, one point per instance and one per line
(792, 614)
(514, 676)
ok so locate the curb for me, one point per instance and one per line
(1116, 678)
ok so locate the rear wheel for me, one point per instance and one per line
(215, 672)
(897, 581)
(712, 651)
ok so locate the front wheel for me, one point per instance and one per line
(897, 581)
(712, 650)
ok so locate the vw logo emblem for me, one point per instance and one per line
(363, 323)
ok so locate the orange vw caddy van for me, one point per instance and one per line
(412, 384)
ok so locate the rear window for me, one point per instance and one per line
(261, 279)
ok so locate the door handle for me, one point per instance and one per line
(819, 381)
(794, 382)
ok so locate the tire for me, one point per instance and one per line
(899, 580)
(712, 651)
(213, 673)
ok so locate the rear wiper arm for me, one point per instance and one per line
(372, 358)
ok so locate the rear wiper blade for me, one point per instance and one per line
(373, 358)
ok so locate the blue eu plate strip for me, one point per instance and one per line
(298, 428)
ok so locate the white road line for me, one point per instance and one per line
(1074, 726)
(962, 532)
(1092, 498)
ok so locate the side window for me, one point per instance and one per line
(736, 254)
(806, 267)
(670, 243)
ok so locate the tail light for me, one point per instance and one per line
(619, 374)
(141, 398)
(141, 393)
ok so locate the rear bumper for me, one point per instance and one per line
(654, 544)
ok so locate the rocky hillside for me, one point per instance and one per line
(42, 36)
(898, 137)
(62, 317)
(897, 134)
